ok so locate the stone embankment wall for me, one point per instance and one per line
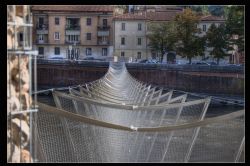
(206, 79)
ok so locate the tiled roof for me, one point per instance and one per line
(74, 8)
(152, 16)
(160, 16)
(131, 16)
(212, 18)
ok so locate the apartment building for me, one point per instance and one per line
(130, 33)
(131, 29)
(73, 31)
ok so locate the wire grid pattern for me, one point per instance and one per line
(67, 140)
(221, 145)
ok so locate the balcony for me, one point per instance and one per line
(72, 29)
(41, 41)
(103, 30)
(100, 42)
(41, 29)
(72, 42)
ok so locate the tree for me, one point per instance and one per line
(235, 26)
(216, 39)
(196, 8)
(216, 10)
(189, 43)
(125, 8)
(162, 38)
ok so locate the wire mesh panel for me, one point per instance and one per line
(119, 119)
(84, 142)
(219, 141)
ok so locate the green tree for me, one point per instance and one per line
(123, 7)
(216, 10)
(162, 37)
(196, 8)
(189, 43)
(235, 26)
(216, 39)
(205, 9)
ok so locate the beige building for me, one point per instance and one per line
(73, 31)
(129, 36)
(131, 29)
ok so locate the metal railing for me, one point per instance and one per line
(73, 27)
(99, 42)
(103, 28)
(42, 26)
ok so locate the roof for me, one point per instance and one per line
(161, 16)
(152, 16)
(212, 18)
(73, 8)
(131, 16)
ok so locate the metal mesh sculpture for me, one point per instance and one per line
(120, 119)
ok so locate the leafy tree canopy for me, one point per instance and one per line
(216, 39)
(189, 43)
(235, 25)
(162, 37)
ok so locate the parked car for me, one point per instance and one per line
(204, 63)
(152, 61)
(89, 58)
(93, 59)
(56, 57)
(143, 61)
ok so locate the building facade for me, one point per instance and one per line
(130, 37)
(73, 32)
(131, 29)
(130, 33)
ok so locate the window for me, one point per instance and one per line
(40, 20)
(123, 41)
(139, 41)
(138, 55)
(139, 27)
(57, 36)
(40, 37)
(122, 54)
(204, 28)
(40, 50)
(73, 38)
(72, 24)
(123, 26)
(104, 51)
(57, 21)
(88, 21)
(88, 51)
(88, 36)
(57, 50)
(20, 37)
(73, 53)
(105, 22)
